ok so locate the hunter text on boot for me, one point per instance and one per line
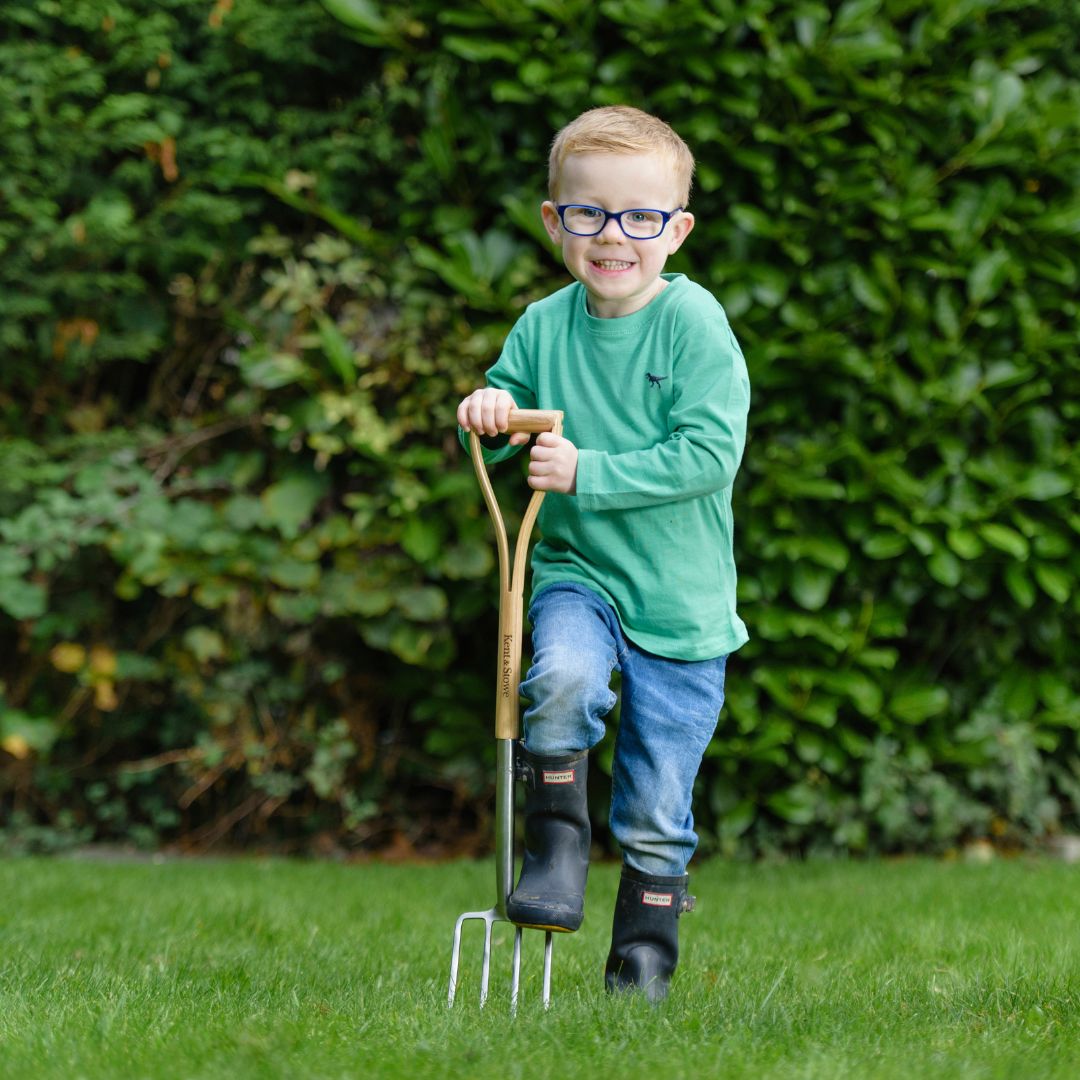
(656, 899)
(563, 776)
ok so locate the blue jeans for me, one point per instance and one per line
(669, 713)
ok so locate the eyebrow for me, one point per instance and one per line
(600, 205)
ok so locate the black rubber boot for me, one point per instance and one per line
(645, 933)
(550, 893)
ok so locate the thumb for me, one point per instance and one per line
(519, 438)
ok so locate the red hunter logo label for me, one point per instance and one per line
(657, 899)
(562, 776)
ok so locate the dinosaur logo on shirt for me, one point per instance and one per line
(655, 380)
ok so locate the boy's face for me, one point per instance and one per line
(620, 274)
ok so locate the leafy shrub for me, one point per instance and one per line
(254, 254)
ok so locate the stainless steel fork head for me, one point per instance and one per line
(489, 919)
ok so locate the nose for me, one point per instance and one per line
(611, 231)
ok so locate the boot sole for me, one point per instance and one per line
(540, 916)
(544, 920)
(544, 926)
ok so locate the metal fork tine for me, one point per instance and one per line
(515, 973)
(485, 971)
(455, 957)
(547, 970)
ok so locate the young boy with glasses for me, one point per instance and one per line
(634, 572)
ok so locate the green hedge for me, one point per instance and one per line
(254, 253)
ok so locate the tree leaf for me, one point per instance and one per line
(798, 804)
(424, 603)
(917, 704)
(944, 567)
(810, 585)
(1055, 581)
(884, 545)
(23, 599)
(291, 502)
(337, 350)
(1044, 484)
(363, 15)
(988, 275)
(1005, 539)
(1019, 585)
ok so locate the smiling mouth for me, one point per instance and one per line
(611, 264)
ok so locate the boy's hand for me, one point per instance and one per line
(553, 464)
(488, 412)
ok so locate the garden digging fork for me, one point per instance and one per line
(511, 590)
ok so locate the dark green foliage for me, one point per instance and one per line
(255, 252)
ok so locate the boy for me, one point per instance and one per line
(634, 571)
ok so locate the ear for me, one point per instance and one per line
(678, 230)
(551, 221)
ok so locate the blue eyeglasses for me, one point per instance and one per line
(636, 224)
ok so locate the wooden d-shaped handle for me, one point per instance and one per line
(512, 580)
(535, 421)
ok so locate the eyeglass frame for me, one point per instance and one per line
(666, 215)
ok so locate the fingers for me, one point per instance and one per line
(553, 464)
(501, 411)
(486, 411)
(485, 415)
(552, 481)
(549, 447)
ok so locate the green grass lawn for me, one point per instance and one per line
(249, 968)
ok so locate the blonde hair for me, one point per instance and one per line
(621, 129)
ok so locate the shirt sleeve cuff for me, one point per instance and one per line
(585, 481)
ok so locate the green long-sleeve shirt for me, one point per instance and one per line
(656, 404)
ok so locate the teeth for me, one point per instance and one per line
(611, 264)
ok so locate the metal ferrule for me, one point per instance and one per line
(504, 823)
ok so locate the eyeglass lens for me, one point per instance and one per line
(590, 220)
